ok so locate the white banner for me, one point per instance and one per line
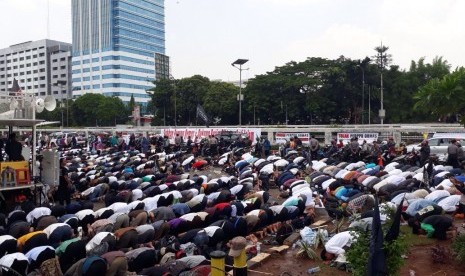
(197, 134)
(345, 137)
(283, 137)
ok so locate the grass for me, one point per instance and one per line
(415, 240)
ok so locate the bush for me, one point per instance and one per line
(358, 254)
(458, 245)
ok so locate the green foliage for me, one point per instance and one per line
(306, 249)
(458, 245)
(95, 109)
(444, 96)
(358, 254)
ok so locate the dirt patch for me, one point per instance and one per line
(421, 262)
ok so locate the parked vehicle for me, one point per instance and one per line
(438, 145)
(63, 139)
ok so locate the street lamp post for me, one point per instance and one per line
(363, 93)
(240, 62)
(175, 105)
(61, 83)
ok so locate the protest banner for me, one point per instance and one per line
(345, 137)
(282, 137)
(197, 134)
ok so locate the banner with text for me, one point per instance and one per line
(282, 137)
(345, 137)
(197, 134)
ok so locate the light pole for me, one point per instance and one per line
(363, 91)
(240, 62)
(61, 83)
(175, 108)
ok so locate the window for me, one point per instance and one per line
(63, 75)
(55, 60)
(42, 86)
(63, 59)
(63, 67)
(42, 62)
(55, 76)
(42, 70)
(55, 68)
(42, 78)
(34, 56)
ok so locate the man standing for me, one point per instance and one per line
(314, 147)
(452, 154)
(424, 152)
(267, 147)
(354, 148)
(63, 193)
(213, 145)
(177, 142)
(14, 149)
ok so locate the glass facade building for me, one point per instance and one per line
(114, 46)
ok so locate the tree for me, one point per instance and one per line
(160, 102)
(95, 109)
(220, 101)
(443, 97)
(111, 111)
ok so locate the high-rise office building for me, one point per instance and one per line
(41, 67)
(114, 46)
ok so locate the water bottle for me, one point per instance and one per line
(258, 248)
(314, 270)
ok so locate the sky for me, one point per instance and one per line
(205, 36)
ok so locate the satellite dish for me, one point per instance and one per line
(49, 103)
(13, 104)
(40, 105)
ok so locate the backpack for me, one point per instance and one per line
(51, 267)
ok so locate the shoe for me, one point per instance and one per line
(459, 216)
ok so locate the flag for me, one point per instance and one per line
(202, 114)
(15, 89)
(394, 231)
(377, 259)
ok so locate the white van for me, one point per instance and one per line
(439, 142)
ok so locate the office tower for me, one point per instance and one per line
(41, 67)
(114, 46)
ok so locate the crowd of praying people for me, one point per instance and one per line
(134, 211)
